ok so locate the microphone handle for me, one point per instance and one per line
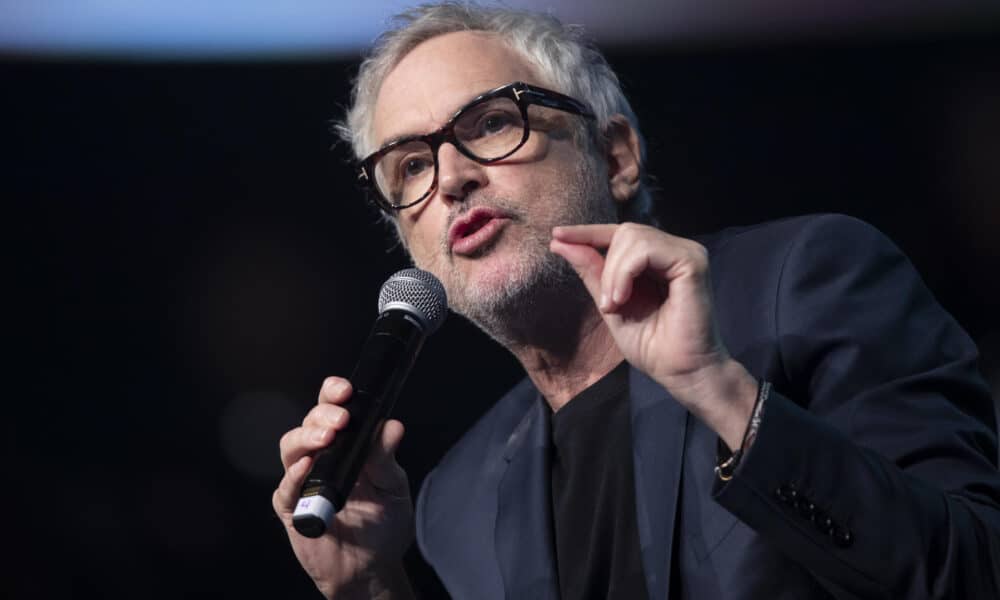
(386, 360)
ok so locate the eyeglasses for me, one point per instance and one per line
(488, 129)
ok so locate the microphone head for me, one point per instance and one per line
(418, 293)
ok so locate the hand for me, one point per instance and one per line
(654, 293)
(361, 552)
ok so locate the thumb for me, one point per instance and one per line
(383, 470)
(586, 261)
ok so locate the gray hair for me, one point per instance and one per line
(561, 55)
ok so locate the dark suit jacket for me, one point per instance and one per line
(873, 474)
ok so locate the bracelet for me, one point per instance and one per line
(724, 470)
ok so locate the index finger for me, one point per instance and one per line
(596, 236)
(335, 390)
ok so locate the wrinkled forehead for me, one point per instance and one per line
(441, 75)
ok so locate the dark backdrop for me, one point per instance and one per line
(190, 260)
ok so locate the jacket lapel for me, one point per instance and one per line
(658, 428)
(523, 533)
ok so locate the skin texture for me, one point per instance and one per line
(598, 293)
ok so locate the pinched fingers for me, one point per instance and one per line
(596, 236)
(628, 257)
(639, 249)
(585, 260)
(609, 277)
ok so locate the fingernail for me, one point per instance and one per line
(320, 436)
(604, 301)
(618, 296)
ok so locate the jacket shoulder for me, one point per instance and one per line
(779, 236)
(754, 267)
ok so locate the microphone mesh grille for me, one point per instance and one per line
(417, 292)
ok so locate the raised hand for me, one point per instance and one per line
(654, 292)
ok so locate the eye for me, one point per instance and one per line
(494, 122)
(414, 166)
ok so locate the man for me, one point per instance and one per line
(780, 411)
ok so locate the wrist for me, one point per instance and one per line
(729, 458)
(721, 395)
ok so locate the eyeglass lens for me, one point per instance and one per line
(488, 130)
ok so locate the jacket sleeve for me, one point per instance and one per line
(874, 466)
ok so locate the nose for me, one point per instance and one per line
(458, 175)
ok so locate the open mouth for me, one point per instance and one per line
(473, 232)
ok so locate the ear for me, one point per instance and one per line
(624, 158)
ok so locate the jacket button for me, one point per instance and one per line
(789, 495)
(842, 537)
(826, 525)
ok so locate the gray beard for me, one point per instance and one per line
(546, 305)
(544, 310)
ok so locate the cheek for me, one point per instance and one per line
(422, 242)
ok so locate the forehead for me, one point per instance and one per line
(440, 75)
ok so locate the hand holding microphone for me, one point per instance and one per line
(342, 440)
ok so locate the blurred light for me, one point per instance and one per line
(188, 29)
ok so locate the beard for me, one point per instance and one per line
(536, 298)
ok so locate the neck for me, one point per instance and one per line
(562, 370)
(555, 331)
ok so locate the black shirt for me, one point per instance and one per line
(593, 494)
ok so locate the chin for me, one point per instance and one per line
(502, 279)
(491, 276)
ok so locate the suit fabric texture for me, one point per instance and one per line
(873, 474)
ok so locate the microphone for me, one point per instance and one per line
(412, 305)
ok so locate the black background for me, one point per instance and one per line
(190, 260)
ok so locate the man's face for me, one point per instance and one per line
(485, 230)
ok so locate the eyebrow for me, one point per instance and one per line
(400, 138)
(405, 137)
